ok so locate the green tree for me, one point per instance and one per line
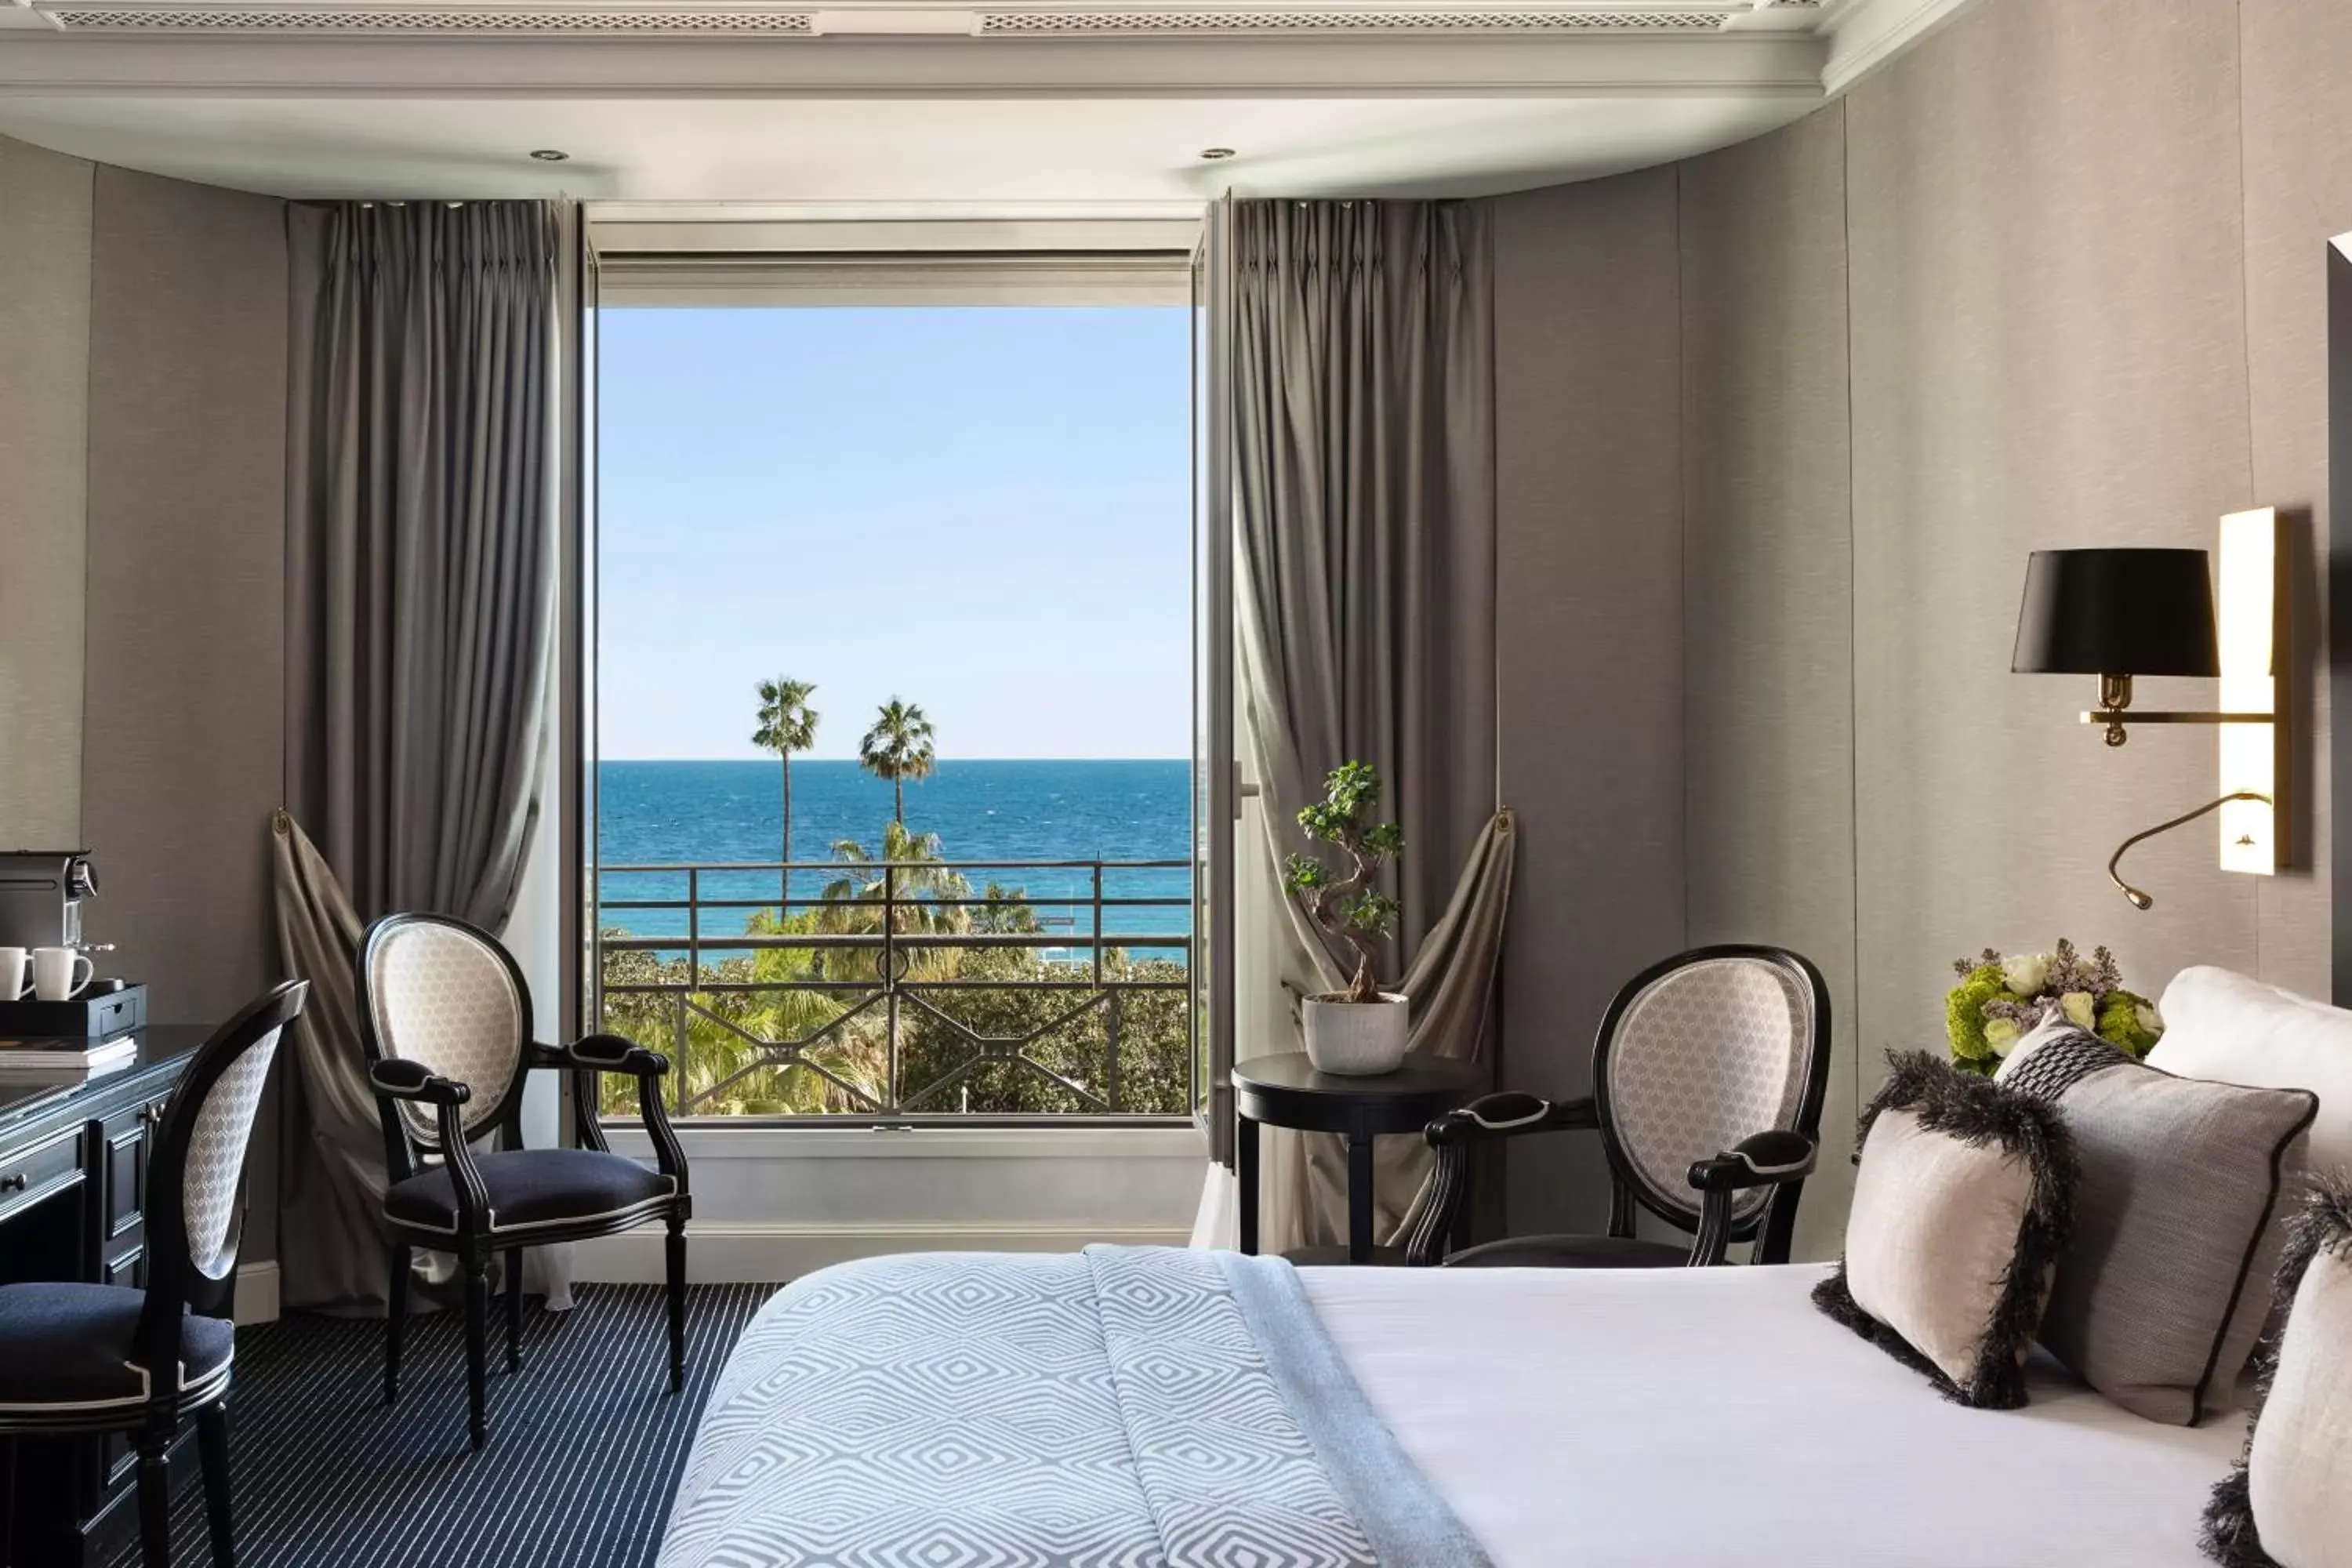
(787, 724)
(712, 1019)
(898, 748)
(1007, 912)
(1065, 1025)
(923, 898)
(925, 892)
(1347, 905)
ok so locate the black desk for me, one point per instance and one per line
(1286, 1091)
(73, 1165)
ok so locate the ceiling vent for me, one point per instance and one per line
(1143, 23)
(324, 16)
(783, 19)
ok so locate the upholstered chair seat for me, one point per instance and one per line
(110, 1358)
(1708, 1074)
(530, 1187)
(70, 1345)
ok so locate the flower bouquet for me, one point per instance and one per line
(1999, 999)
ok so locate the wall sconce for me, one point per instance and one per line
(2116, 613)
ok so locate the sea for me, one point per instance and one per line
(673, 814)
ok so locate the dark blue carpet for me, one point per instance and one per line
(586, 1442)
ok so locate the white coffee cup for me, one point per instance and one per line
(16, 972)
(59, 972)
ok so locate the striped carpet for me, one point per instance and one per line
(585, 1446)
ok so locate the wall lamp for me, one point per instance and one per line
(2118, 613)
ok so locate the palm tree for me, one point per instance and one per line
(898, 748)
(787, 724)
(927, 899)
(929, 896)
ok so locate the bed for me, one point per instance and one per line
(1169, 1409)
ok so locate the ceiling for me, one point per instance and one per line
(939, 152)
(925, 104)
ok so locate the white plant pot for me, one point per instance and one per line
(1358, 1039)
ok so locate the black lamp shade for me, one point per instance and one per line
(2116, 612)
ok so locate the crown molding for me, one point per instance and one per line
(1746, 64)
(1007, 48)
(984, 19)
(1864, 34)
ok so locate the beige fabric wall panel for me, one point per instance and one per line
(45, 202)
(1768, 645)
(185, 731)
(1589, 628)
(2048, 351)
(2298, 172)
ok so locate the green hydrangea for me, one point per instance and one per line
(2119, 1023)
(1964, 1014)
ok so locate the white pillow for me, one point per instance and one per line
(2287, 1503)
(2226, 1028)
(1963, 1197)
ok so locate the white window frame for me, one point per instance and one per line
(668, 254)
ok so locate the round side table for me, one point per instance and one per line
(1286, 1091)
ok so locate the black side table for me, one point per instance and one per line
(1286, 1091)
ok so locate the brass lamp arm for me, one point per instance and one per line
(2141, 901)
(2115, 710)
(2136, 716)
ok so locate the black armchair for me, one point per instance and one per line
(1709, 1071)
(445, 1018)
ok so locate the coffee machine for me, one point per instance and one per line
(41, 893)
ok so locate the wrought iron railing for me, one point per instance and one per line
(910, 998)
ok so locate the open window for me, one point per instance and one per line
(957, 483)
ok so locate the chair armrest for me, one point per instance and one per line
(1763, 1160)
(601, 1053)
(1758, 1161)
(593, 1054)
(1487, 1120)
(397, 1079)
(1509, 1115)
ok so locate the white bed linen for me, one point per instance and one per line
(1684, 1418)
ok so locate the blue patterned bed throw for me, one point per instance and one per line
(1126, 1407)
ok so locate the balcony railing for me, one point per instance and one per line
(903, 995)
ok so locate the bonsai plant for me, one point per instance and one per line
(1361, 1029)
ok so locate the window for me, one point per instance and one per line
(893, 688)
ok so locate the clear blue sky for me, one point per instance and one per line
(985, 510)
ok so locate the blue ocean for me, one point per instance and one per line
(987, 815)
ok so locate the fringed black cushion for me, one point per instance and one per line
(2288, 1500)
(1963, 1200)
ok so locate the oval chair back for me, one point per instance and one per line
(1696, 1053)
(438, 992)
(194, 1170)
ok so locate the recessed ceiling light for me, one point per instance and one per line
(1214, 154)
(551, 155)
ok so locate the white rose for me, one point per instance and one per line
(2026, 974)
(2002, 1034)
(2150, 1021)
(2076, 1006)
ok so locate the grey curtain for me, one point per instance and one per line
(420, 595)
(1364, 447)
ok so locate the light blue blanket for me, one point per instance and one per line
(1127, 1407)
